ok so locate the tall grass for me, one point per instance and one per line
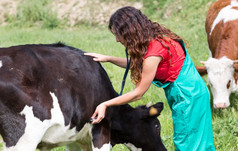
(34, 12)
(187, 19)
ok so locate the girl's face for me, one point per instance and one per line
(119, 38)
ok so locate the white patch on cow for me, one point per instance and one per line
(234, 2)
(59, 133)
(220, 72)
(33, 132)
(226, 14)
(49, 131)
(0, 63)
(105, 147)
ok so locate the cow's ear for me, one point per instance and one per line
(201, 70)
(235, 65)
(156, 109)
(147, 111)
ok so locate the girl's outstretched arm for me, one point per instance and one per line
(121, 62)
(150, 65)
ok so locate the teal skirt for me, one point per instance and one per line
(189, 101)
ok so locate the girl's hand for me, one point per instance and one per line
(99, 113)
(98, 57)
(121, 62)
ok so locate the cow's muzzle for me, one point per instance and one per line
(220, 105)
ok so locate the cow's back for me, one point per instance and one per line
(30, 74)
(221, 23)
(57, 68)
(213, 11)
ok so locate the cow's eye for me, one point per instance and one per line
(157, 126)
(228, 84)
(157, 129)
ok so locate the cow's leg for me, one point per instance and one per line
(28, 141)
(34, 131)
(21, 147)
(101, 136)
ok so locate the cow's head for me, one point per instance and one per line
(139, 127)
(221, 79)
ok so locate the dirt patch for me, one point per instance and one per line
(91, 11)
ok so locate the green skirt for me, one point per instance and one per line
(189, 101)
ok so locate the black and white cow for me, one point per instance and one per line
(48, 94)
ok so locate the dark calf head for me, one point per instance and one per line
(138, 127)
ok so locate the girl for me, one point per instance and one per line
(159, 56)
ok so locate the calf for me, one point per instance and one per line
(222, 36)
(48, 94)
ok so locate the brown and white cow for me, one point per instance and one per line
(222, 34)
(48, 94)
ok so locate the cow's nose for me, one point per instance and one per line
(220, 105)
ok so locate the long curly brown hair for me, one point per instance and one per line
(138, 31)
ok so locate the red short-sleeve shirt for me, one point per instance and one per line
(169, 67)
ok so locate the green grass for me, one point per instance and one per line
(187, 22)
(94, 39)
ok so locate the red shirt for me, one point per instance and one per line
(169, 67)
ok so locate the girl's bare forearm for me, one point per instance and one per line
(121, 62)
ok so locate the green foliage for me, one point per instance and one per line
(225, 123)
(154, 8)
(225, 130)
(35, 12)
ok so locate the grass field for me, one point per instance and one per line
(95, 39)
(187, 20)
